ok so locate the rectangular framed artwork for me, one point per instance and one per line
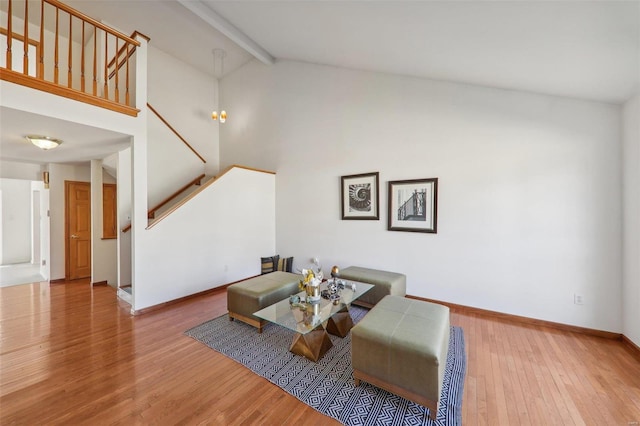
(360, 197)
(413, 205)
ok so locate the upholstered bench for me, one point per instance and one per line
(251, 295)
(401, 346)
(386, 283)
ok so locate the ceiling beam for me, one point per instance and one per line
(220, 23)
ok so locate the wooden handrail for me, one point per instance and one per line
(202, 188)
(151, 212)
(176, 132)
(92, 21)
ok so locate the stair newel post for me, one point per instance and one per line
(70, 62)
(9, 36)
(55, 55)
(40, 72)
(25, 59)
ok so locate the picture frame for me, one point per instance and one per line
(413, 205)
(360, 196)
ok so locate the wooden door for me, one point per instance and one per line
(78, 229)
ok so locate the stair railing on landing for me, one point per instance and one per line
(33, 71)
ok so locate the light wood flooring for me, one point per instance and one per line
(72, 355)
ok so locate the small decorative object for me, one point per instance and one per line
(294, 299)
(413, 205)
(360, 197)
(335, 272)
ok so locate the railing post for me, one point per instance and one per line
(70, 52)
(95, 61)
(9, 36)
(40, 73)
(25, 43)
(82, 61)
(55, 56)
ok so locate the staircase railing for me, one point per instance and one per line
(166, 123)
(152, 212)
(71, 55)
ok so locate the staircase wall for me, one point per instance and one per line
(216, 238)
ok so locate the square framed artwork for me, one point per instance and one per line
(360, 197)
(413, 205)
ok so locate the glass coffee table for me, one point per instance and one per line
(312, 321)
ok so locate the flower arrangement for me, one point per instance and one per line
(310, 284)
(308, 279)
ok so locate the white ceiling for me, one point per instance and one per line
(581, 49)
(80, 143)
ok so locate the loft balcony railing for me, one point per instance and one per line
(52, 47)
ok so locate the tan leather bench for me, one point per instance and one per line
(401, 346)
(251, 295)
(385, 282)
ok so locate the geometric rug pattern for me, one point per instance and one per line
(327, 385)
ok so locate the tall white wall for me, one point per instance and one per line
(529, 209)
(631, 239)
(214, 239)
(16, 221)
(184, 97)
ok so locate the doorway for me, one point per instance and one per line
(77, 230)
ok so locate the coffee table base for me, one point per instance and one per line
(340, 323)
(312, 345)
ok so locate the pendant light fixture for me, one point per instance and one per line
(218, 54)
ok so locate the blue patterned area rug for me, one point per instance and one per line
(328, 384)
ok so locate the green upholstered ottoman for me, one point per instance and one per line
(386, 283)
(401, 346)
(251, 295)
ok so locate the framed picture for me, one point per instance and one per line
(360, 197)
(413, 205)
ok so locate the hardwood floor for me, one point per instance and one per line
(71, 355)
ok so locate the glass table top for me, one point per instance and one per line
(303, 317)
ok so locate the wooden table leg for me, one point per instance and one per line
(312, 345)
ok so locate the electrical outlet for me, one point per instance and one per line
(226, 268)
(577, 299)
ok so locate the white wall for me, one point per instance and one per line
(631, 239)
(529, 210)
(103, 252)
(184, 97)
(16, 221)
(18, 170)
(214, 239)
(171, 164)
(124, 217)
(58, 174)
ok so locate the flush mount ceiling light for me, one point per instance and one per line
(218, 54)
(44, 142)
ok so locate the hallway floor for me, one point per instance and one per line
(20, 273)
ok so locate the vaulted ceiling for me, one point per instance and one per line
(580, 49)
